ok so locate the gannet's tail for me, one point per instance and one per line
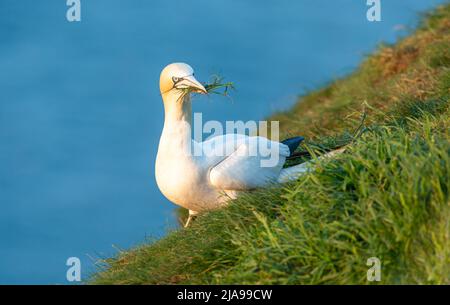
(293, 143)
(292, 173)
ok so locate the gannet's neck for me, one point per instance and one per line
(177, 131)
(177, 107)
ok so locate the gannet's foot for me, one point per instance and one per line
(192, 215)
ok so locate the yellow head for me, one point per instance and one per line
(178, 76)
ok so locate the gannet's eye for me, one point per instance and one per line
(175, 79)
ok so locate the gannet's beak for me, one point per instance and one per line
(191, 82)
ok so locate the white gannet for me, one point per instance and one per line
(202, 176)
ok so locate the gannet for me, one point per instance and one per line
(186, 171)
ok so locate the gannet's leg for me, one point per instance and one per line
(188, 221)
(192, 214)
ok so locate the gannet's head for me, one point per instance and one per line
(179, 76)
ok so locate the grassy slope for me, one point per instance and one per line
(387, 196)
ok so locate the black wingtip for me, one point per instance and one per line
(293, 143)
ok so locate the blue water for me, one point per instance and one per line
(80, 111)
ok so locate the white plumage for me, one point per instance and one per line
(204, 176)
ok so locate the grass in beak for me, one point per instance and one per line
(216, 86)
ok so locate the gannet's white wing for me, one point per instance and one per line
(223, 145)
(255, 163)
(216, 149)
